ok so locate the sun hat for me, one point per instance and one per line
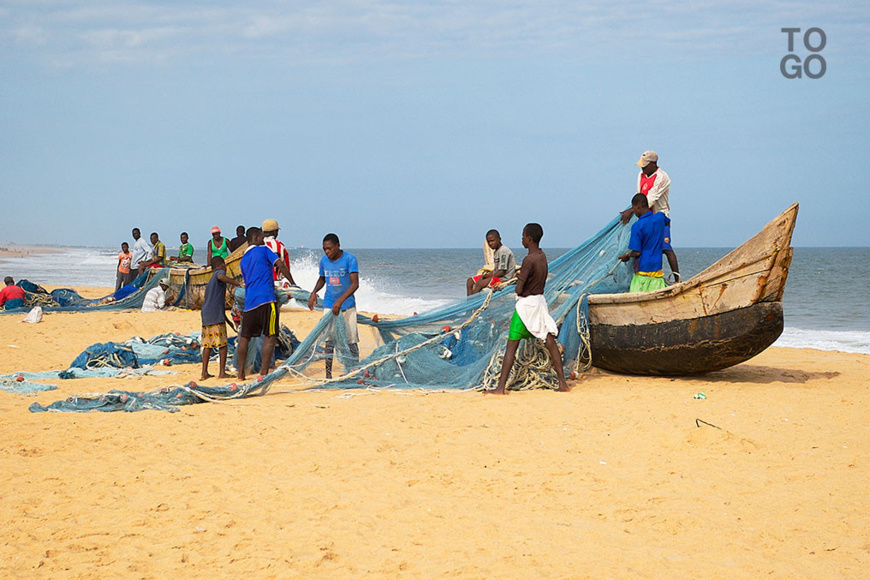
(215, 230)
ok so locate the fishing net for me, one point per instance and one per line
(461, 345)
(457, 346)
(68, 300)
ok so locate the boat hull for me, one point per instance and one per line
(687, 347)
(190, 283)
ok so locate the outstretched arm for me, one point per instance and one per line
(282, 267)
(354, 286)
(312, 299)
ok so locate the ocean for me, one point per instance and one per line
(822, 310)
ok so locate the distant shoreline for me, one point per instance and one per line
(13, 251)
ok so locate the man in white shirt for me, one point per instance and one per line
(141, 250)
(656, 185)
(155, 299)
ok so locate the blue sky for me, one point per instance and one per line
(424, 124)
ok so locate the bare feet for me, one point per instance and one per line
(205, 377)
(495, 391)
(224, 376)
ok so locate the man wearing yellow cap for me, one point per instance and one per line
(270, 233)
(656, 185)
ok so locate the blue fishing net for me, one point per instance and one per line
(19, 385)
(457, 346)
(68, 300)
(461, 345)
(163, 399)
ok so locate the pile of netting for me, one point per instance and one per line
(166, 349)
(458, 346)
(68, 300)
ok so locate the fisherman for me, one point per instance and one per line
(141, 249)
(645, 244)
(155, 299)
(217, 246)
(262, 311)
(270, 238)
(185, 250)
(339, 272)
(655, 184)
(125, 258)
(531, 317)
(504, 266)
(158, 254)
(214, 327)
(237, 241)
(11, 296)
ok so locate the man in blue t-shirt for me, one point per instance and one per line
(339, 272)
(261, 315)
(645, 244)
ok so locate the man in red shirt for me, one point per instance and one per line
(270, 238)
(656, 186)
(11, 296)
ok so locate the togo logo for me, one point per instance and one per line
(813, 66)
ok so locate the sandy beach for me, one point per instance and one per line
(622, 477)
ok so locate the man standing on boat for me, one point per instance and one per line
(270, 237)
(656, 185)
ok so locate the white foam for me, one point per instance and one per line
(853, 341)
(374, 294)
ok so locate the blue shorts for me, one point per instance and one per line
(667, 245)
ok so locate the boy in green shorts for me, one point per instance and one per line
(531, 317)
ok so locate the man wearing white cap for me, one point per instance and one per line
(656, 185)
(155, 299)
(270, 233)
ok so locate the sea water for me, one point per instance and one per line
(824, 304)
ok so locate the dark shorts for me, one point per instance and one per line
(261, 320)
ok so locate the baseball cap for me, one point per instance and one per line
(270, 225)
(215, 230)
(647, 158)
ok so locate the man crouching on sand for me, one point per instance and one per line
(531, 317)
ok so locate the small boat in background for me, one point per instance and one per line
(187, 285)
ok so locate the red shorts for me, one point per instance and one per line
(494, 281)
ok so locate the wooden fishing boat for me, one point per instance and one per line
(725, 315)
(190, 283)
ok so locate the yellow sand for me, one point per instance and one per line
(619, 478)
